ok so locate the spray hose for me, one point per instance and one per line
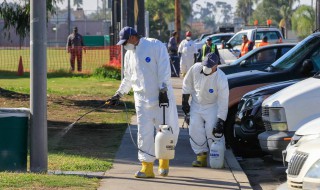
(187, 117)
(127, 119)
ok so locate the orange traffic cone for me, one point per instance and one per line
(20, 67)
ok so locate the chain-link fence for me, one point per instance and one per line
(58, 59)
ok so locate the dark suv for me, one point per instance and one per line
(301, 61)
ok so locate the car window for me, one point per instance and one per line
(267, 56)
(315, 57)
(296, 53)
(237, 39)
(272, 35)
(264, 56)
(284, 50)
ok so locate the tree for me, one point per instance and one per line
(267, 9)
(303, 20)
(244, 9)
(77, 3)
(207, 15)
(225, 11)
(161, 13)
(17, 16)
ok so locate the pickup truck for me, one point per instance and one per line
(231, 49)
(286, 111)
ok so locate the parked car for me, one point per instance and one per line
(301, 61)
(307, 132)
(232, 47)
(248, 121)
(303, 170)
(257, 59)
(286, 111)
(216, 39)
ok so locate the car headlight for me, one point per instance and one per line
(278, 119)
(314, 171)
(306, 138)
(295, 139)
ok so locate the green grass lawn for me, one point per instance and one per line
(57, 59)
(89, 146)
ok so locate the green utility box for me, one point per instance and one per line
(14, 139)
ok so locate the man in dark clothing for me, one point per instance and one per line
(74, 47)
(208, 47)
(172, 44)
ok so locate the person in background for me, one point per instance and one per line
(147, 72)
(208, 87)
(187, 53)
(172, 44)
(246, 46)
(264, 42)
(74, 47)
(209, 47)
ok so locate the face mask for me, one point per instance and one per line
(188, 38)
(129, 46)
(206, 71)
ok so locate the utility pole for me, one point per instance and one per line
(177, 19)
(38, 87)
(317, 14)
(69, 18)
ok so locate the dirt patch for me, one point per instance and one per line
(89, 137)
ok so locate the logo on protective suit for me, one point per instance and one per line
(148, 59)
(211, 90)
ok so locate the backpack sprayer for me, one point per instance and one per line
(217, 149)
(164, 140)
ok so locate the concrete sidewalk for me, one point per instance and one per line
(182, 175)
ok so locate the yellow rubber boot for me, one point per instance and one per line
(163, 167)
(146, 171)
(201, 160)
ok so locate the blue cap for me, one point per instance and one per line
(210, 60)
(125, 33)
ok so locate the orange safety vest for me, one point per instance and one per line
(244, 48)
(263, 44)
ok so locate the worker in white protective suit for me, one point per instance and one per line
(188, 53)
(208, 87)
(147, 71)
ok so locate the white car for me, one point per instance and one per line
(304, 167)
(307, 132)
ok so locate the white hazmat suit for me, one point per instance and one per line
(210, 96)
(187, 48)
(146, 71)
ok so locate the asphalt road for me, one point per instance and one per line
(263, 172)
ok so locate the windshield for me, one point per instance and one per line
(291, 57)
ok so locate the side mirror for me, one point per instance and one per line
(244, 63)
(307, 67)
(228, 46)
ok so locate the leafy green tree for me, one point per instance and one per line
(77, 3)
(161, 12)
(303, 20)
(244, 9)
(267, 9)
(286, 11)
(225, 11)
(17, 16)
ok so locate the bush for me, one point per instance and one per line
(108, 72)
